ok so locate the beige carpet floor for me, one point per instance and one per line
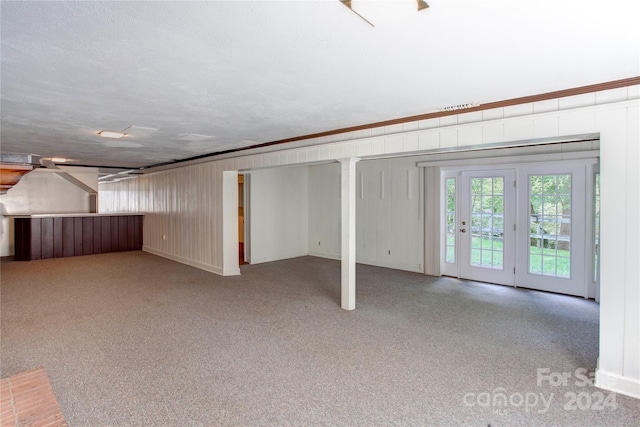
(131, 339)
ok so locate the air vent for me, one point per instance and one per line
(459, 106)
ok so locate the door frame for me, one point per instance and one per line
(577, 283)
(590, 164)
(247, 215)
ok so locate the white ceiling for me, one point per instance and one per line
(202, 77)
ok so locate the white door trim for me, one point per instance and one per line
(582, 201)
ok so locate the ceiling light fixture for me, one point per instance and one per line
(383, 12)
(111, 134)
(59, 160)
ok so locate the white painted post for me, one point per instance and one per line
(348, 232)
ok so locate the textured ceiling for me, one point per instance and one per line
(200, 77)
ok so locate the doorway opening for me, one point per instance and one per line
(241, 234)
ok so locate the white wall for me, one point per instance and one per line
(39, 192)
(389, 218)
(278, 209)
(619, 362)
(612, 113)
(325, 210)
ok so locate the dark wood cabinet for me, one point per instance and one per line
(56, 237)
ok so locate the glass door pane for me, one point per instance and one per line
(487, 222)
(450, 217)
(550, 225)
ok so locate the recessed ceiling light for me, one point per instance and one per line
(111, 134)
(59, 160)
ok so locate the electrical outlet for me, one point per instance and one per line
(164, 237)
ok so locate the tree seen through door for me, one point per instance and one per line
(550, 225)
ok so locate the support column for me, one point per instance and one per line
(348, 232)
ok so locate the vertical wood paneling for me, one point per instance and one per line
(97, 235)
(47, 238)
(57, 237)
(122, 232)
(181, 204)
(54, 237)
(77, 236)
(137, 233)
(68, 240)
(632, 248)
(324, 210)
(105, 233)
(114, 225)
(388, 226)
(130, 237)
(392, 224)
(18, 238)
(36, 233)
(87, 236)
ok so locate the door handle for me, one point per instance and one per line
(463, 230)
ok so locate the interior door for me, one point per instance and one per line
(486, 225)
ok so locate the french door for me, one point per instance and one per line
(522, 226)
(486, 226)
(552, 254)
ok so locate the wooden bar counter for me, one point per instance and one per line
(63, 235)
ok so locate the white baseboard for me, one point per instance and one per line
(202, 266)
(617, 383)
(325, 255)
(403, 267)
(276, 257)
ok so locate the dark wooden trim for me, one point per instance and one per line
(499, 104)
